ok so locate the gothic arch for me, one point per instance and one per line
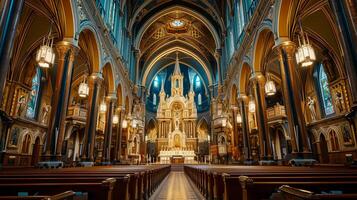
(109, 78)
(89, 42)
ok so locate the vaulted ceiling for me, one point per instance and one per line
(161, 27)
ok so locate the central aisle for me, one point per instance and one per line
(176, 186)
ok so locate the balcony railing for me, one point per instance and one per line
(77, 112)
(278, 111)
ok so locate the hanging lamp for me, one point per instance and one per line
(251, 105)
(45, 56)
(270, 88)
(83, 89)
(305, 54)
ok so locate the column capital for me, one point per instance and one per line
(95, 77)
(288, 46)
(111, 97)
(258, 77)
(63, 47)
(242, 97)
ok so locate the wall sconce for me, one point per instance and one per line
(115, 119)
(239, 118)
(124, 124)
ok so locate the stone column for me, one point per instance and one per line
(95, 81)
(66, 52)
(218, 55)
(263, 128)
(345, 12)
(117, 149)
(243, 102)
(10, 17)
(292, 99)
(67, 84)
(108, 128)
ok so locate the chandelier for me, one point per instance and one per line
(83, 89)
(115, 119)
(305, 54)
(251, 105)
(270, 88)
(103, 106)
(45, 56)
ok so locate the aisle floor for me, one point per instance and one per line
(176, 186)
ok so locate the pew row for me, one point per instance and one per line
(225, 182)
(131, 182)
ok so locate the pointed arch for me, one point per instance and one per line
(109, 78)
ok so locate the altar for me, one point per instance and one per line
(177, 156)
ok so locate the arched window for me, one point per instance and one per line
(26, 144)
(154, 99)
(156, 82)
(199, 99)
(34, 95)
(334, 141)
(325, 91)
(197, 82)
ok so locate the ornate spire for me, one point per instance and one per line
(177, 70)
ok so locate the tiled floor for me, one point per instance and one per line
(176, 187)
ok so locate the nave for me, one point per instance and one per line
(177, 187)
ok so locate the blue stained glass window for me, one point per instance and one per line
(199, 99)
(156, 82)
(33, 99)
(197, 82)
(325, 92)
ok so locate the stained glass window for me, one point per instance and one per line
(197, 82)
(154, 99)
(156, 82)
(325, 92)
(33, 99)
(199, 99)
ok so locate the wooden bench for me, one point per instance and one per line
(131, 182)
(96, 190)
(222, 182)
(288, 193)
(68, 195)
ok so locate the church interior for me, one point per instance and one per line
(178, 99)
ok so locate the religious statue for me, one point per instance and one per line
(311, 105)
(21, 105)
(346, 134)
(338, 101)
(14, 136)
(45, 111)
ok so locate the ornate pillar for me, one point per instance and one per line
(218, 55)
(119, 136)
(59, 102)
(10, 17)
(95, 80)
(108, 127)
(292, 99)
(263, 128)
(243, 101)
(345, 11)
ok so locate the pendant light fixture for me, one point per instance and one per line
(83, 89)
(124, 124)
(103, 106)
(115, 119)
(45, 56)
(251, 104)
(305, 54)
(239, 118)
(270, 88)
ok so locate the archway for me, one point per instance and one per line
(36, 151)
(324, 158)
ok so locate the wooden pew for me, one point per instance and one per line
(290, 193)
(96, 190)
(68, 195)
(212, 184)
(142, 180)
